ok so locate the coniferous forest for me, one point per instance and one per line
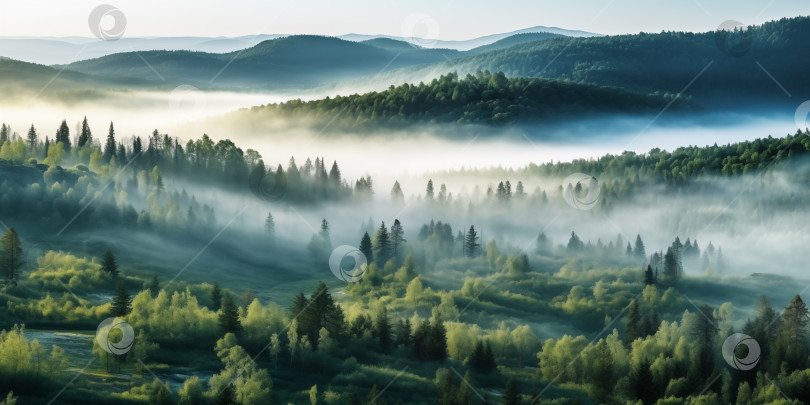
(518, 218)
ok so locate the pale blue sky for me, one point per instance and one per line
(455, 19)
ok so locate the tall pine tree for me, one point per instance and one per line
(109, 145)
(11, 258)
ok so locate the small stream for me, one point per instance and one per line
(78, 346)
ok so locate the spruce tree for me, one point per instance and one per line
(476, 359)
(31, 139)
(109, 145)
(382, 330)
(216, 297)
(649, 276)
(270, 227)
(639, 250)
(791, 340)
(489, 359)
(109, 263)
(334, 175)
(382, 246)
(471, 246)
(63, 136)
(154, 285)
(397, 239)
(11, 258)
(396, 193)
(429, 191)
(365, 246)
(511, 396)
(122, 302)
(85, 136)
(4, 129)
(229, 316)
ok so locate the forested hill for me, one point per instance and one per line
(735, 63)
(483, 98)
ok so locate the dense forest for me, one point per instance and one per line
(440, 314)
(483, 98)
(660, 62)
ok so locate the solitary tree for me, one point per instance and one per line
(396, 239)
(109, 264)
(31, 139)
(122, 302)
(639, 251)
(11, 258)
(325, 231)
(396, 192)
(270, 226)
(471, 246)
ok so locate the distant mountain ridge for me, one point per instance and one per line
(65, 50)
(292, 62)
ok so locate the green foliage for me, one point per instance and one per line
(485, 98)
(251, 385)
(25, 365)
(55, 269)
(10, 254)
(174, 319)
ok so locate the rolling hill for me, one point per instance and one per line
(65, 50)
(774, 52)
(484, 98)
(283, 63)
(21, 81)
(289, 62)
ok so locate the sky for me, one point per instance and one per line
(446, 20)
